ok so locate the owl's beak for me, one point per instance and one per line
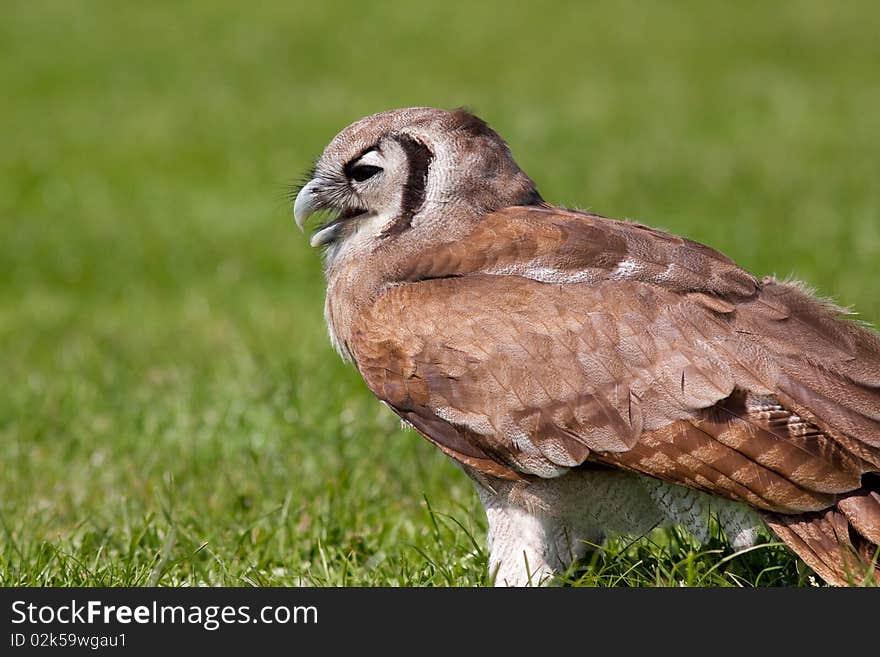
(305, 204)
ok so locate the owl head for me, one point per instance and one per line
(409, 170)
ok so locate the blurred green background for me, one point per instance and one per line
(172, 411)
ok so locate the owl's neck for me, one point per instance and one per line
(361, 266)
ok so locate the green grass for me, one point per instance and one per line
(172, 412)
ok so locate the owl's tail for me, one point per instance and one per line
(840, 543)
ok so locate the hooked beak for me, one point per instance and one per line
(307, 203)
(304, 206)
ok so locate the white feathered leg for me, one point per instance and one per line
(527, 545)
(540, 527)
(526, 548)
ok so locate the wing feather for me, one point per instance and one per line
(549, 338)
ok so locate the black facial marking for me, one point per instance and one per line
(418, 158)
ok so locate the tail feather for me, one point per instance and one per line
(862, 511)
(840, 544)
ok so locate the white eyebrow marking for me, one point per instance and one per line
(370, 158)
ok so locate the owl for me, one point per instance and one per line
(593, 377)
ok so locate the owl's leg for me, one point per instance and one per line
(526, 546)
(526, 549)
(540, 527)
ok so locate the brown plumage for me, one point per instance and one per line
(537, 346)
